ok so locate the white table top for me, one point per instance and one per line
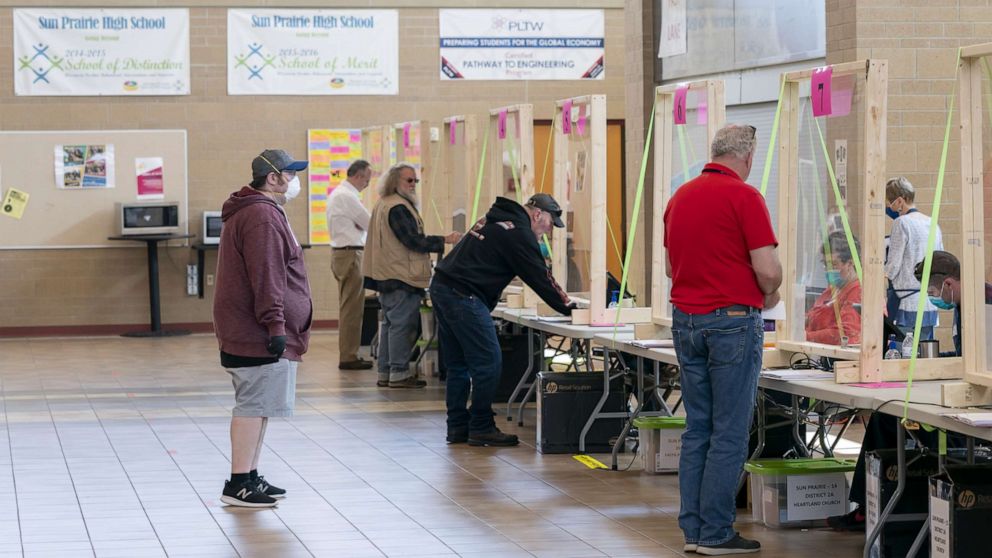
(528, 318)
(924, 398)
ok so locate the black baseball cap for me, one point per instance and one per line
(944, 265)
(545, 202)
(275, 160)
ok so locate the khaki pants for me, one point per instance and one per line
(347, 268)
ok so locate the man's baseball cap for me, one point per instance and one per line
(275, 160)
(545, 202)
(944, 265)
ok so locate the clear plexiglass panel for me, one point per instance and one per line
(373, 147)
(578, 172)
(829, 190)
(985, 68)
(509, 178)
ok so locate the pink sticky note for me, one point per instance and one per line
(678, 111)
(406, 135)
(841, 95)
(701, 112)
(566, 117)
(452, 132)
(819, 91)
(501, 124)
(580, 125)
(356, 136)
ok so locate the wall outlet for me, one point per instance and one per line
(210, 279)
(192, 283)
(435, 134)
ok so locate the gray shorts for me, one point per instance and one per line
(265, 391)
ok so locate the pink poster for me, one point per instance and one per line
(819, 91)
(501, 124)
(678, 111)
(566, 117)
(149, 178)
(452, 132)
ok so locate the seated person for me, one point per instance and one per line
(944, 289)
(834, 315)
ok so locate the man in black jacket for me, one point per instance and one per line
(466, 287)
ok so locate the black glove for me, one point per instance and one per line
(277, 345)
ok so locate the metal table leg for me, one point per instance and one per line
(533, 385)
(525, 377)
(896, 496)
(599, 404)
(637, 411)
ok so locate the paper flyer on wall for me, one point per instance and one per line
(149, 178)
(79, 167)
(329, 152)
(14, 203)
(107, 51)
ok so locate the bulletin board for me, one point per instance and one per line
(84, 217)
(329, 153)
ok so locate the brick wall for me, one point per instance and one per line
(920, 40)
(109, 286)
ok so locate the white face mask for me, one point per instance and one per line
(293, 188)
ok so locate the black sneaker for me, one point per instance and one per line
(853, 521)
(410, 382)
(494, 438)
(270, 490)
(457, 435)
(736, 545)
(247, 495)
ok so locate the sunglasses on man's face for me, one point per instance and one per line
(412, 180)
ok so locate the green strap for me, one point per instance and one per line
(613, 237)
(767, 171)
(931, 239)
(942, 442)
(478, 179)
(632, 234)
(840, 203)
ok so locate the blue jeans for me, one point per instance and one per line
(720, 358)
(471, 354)
(397, 333)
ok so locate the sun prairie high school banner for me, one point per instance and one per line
(522, 44)
(312, 52)
(62, 51)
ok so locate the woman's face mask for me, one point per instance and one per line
(892, 213)
(834, 278)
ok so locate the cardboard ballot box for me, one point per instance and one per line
(961, 512)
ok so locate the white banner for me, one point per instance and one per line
(62, 51)
(312, 52)
(522, 44)
(672, 40)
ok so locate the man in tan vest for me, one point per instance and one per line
(397, 265)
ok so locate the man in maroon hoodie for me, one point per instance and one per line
(262, 316)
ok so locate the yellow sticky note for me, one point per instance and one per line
(14, 203)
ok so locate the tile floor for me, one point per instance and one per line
(119, 447)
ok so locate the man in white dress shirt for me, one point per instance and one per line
(349, 222)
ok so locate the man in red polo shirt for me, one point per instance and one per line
(721, 256)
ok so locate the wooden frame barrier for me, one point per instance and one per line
(977, 387)
(459, 161)
(377, 151)
(509, 155)
(664, 162)
(583, 197)
(865, 362)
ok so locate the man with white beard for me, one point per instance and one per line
(397, 265)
